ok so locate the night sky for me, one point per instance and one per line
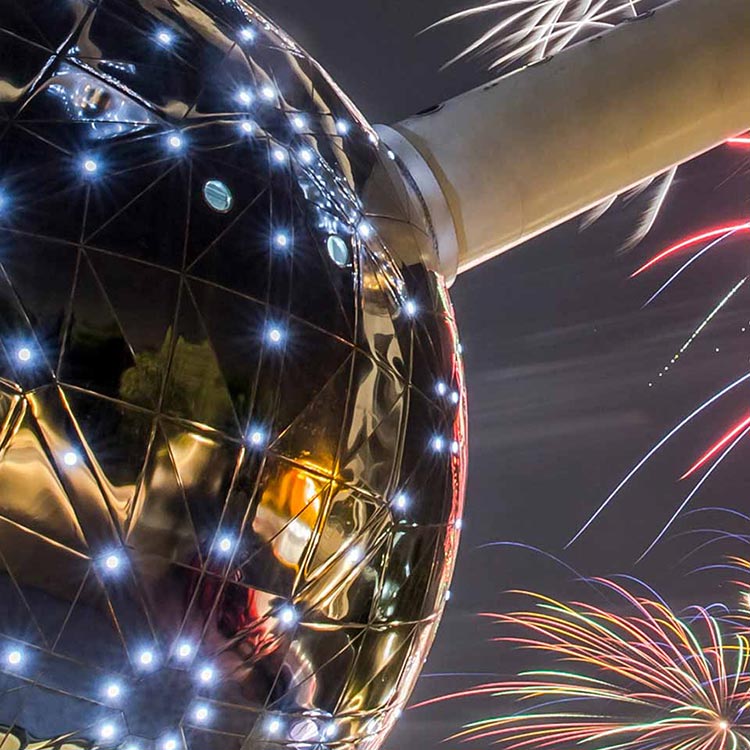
(559, 356)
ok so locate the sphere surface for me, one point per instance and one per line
(232, 415)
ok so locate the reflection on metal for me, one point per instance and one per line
(204, 435)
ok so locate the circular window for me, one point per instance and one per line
(338, 250)
(218, 196)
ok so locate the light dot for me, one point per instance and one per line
(441, 388)
(330, 731)
(165, 37)
(225, 544)
(299, 122)
(24, 354)
(410, 308)
(201, 713)
(146, 658)
(391, 155)
(247, 34)
(90, 166)
(342, 127)
(288, 615)
(455, 446)
(70, 458)
(170, 743)
(274, 726)
(723, 725)
(206, 675)
(372, 138)
(112, 690)
(268, 92)
(279, 155)
(244, 97)
(257, 437)
(275, 335)
(107, 731)
(447, 595)
(112, 562)
(218, 196)
(438, 443)
(175, 142)
(281, 240)
(455, 397)
(247, 127)
(364, 229)
(401, 501)
(184, 650)
(14, 657)
(459, 524)
(306, 156)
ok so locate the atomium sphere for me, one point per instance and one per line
(231, 401)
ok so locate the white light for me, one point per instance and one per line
(247, 34)
(70, 458)
(288, 615)
(112, 690)
(244, 97)
(175, 142)
(306, 156)
(107, 731)
(268, 92)
(165, 37)
(257, 438)
(410, 307)
(373, 139)
(279, 155)
(169, 743)
(14, 658)
(447, 595)
(459, 524)
(184, 650)
(281, 239)
(225, 544)
(441, 388)
(329, 732)
(455, 446)
(112, 562)
(455, 397)
(146, 658)
(355, 555)
(274, 726)
(24, 354)
(275, 335)
(206, 675)
(342, 127)
(90, 166)
(364, 229)
(401, 501)
(438, 443)
(201, 713)
(247, 127)
(299, 122)
(391, 155)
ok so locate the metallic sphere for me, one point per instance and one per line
(232, 416)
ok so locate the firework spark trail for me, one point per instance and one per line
(714, 449)
(655, 449)
(643, 680)
(740, 141)
(697, 332)
(691, 241)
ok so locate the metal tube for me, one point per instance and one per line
(537, 147)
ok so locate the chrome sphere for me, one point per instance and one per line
(231, 400)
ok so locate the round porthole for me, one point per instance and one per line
(338, 250)
(218, 196)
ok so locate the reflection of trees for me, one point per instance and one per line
(196, 388)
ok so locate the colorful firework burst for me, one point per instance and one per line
(643, 679)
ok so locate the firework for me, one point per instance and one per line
(633, 675)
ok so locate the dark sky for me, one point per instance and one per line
(559, 355)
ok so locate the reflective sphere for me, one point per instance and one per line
(232, 417)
